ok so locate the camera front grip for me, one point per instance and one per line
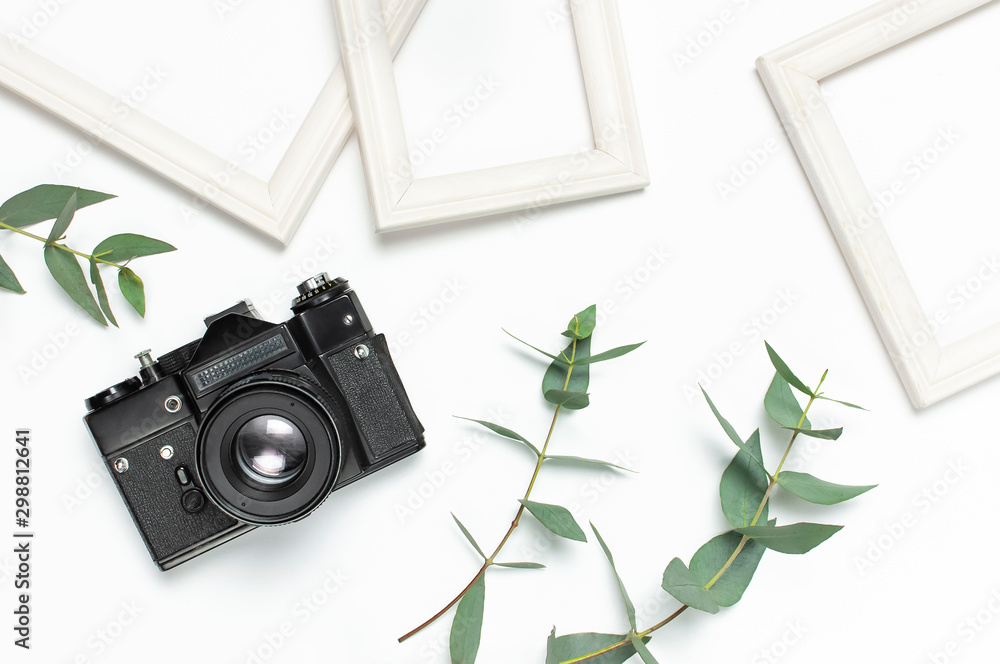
(376, 398)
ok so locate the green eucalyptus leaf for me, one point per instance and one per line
(797, 538)
(467, 629)
(744, 484)
(7, 279)
(63, 221)
(68, 274)
(712, 556)
(612, 354)
(102, 293)
(505, 432)
(126, 246)
(535, 348)
(842, 403)
(644, 654)
(786, 373)
(556, 518)
(468, 536)
(583, 460)
(582, 325)
(45, 202)
(521, 565)
(726, 426)
(781, 405)
(629, 607)
(578, 376)
(818, 491)
(571, 646)
(686, 589)
(731, 432)
(825, 434)
(132, 288)
(570, 400)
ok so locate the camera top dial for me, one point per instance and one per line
(317, 290)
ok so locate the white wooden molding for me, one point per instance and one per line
(275, 207)
(399, 200)
(929, 371)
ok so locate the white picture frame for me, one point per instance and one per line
(929, 370)
(275, 207)
(399, 201)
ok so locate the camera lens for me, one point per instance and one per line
(271, 449)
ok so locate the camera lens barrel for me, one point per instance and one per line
(269, 451)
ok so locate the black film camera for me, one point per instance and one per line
(255, 423)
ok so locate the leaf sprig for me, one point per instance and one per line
(565, 385)
(721, 570)
(59, 202)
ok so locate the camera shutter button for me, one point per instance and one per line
(193, 500)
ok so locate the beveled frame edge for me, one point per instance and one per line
(929, 371)
(275, 207)
(398, 200)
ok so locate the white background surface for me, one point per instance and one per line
(734, 261)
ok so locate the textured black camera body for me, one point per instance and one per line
(254, 424)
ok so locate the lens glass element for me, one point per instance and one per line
(271, 449)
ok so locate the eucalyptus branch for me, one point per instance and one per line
(725, 567)
(565, 386)
(744, 477)
(47, 202)
(88, 257)
(510, 531)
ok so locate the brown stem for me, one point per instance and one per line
(513, 524)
